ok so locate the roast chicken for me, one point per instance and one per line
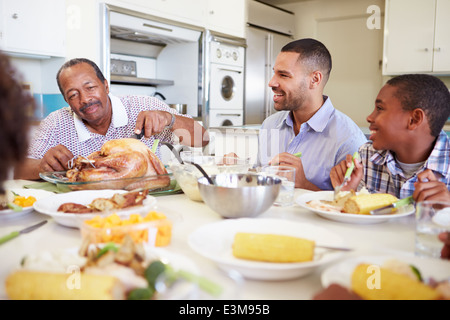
(120, 159)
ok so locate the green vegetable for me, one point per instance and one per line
(153, 271)
(205, 284)
(141, 294)
(14, 207)
(416, 272)
(109, 246)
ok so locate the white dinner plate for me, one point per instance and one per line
(50, 206)
(38, 194)
(214, 241)
(348, 217)
(65, 259)
(341, 272)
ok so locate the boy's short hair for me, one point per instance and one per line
(313, 54)
(427, 93)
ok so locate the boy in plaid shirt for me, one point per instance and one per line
(407, 145)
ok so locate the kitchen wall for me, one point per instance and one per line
(355, 40)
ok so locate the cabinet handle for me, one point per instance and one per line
(437, 49)
(15, 16)
(426, 49)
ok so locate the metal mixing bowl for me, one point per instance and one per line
(238, 195)
(187, 174)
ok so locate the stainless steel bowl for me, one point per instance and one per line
(238, 195)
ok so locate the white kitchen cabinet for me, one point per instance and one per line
(33, 27)
(226, 17)
(416, 37)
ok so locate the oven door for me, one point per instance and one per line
(226, 87)
(225, 118)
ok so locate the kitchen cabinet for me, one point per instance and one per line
(226, 17)
(26, 29)
(416, 37)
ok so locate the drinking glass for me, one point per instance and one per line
(287, 176)
(432, 218)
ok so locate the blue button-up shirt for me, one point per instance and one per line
(324, 140)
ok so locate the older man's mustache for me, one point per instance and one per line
(87, 105)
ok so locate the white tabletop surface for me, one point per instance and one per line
(394, 236)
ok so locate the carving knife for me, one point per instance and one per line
(392, 207)
(14, 234)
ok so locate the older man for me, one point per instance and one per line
(95, 116)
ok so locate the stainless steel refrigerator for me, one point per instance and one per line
(268, 30)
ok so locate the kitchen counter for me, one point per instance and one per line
(395, 237)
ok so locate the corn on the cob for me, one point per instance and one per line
(381, 284)
(272, 248)
(30, 285)
(364, 203)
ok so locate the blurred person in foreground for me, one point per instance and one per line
(306, 120)
(16, 105)
(95, 116)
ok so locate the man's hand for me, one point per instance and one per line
(56, 159)
(152, 122)
(287, 159)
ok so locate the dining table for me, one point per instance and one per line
(393, 237)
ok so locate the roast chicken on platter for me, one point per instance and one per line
(120, 159)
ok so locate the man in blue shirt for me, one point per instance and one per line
(306, 122)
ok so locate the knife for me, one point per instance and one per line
(138, 136)
(392, 207)
(348, 173)
(14, 234)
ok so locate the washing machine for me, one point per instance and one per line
(226, 87)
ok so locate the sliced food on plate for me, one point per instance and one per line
(72, 208)
(356, 207)
(356, 203)
(116, 202)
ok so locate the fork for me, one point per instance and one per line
(348, 173)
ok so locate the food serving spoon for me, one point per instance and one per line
(202, 171)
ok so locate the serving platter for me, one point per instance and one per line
(164, 183)
(214, 241)
(38, 194)
(50, 205)
(303, 199)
